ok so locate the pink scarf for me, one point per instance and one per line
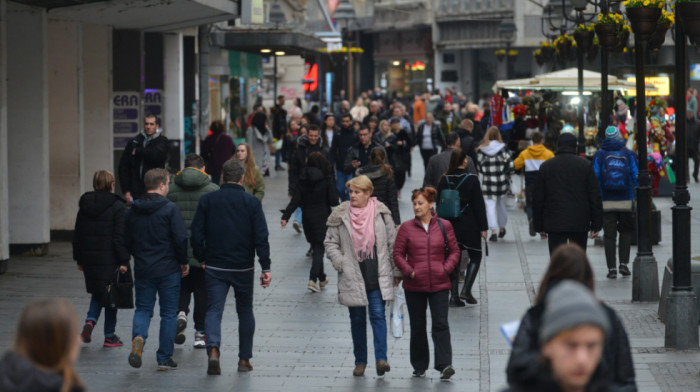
(362, 223)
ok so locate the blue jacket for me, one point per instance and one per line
(228, 228)
(156, 237)
(611, 145)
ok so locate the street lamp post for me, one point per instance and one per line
(345, 15)
(681, 306)
(579, 6)
(277, 17)
(507, 30)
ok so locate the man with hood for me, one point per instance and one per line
(148, 150)
(188, 186)
(157, 239)
(566, 203)
(616, 169)
(532, 159)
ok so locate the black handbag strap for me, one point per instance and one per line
(444, 237)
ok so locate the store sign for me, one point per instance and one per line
(153, 103)
(662, 83)
(252, 12)
(125, 117)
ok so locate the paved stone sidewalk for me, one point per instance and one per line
(302, 340)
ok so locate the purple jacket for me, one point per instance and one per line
(216, 150)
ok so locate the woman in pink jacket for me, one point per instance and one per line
(426, 252)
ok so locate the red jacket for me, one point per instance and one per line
(424, 253)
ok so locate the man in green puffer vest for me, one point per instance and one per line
(188, 186)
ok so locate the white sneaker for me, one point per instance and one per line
(181, 326)
(200, 340)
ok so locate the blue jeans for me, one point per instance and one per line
(218, 283)
(168, 289)
(93, 315)
(358, 328)
(297, 215)
(340, 185)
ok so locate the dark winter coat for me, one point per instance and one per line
(187, 188)
(436, 135)
(298, 161)
(472, 221)
(229, 227)
(156, 237)
(216, 150)
(423, 252)
(616, 366)
(384, 188)
(315, 194)
(342, 141)
(354, 154)
(99, 243)
(18, 374)
(399, 157)
(567, 195)
(149, 154)
(468, 142)
(438, 165)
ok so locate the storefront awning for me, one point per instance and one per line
(290, 42)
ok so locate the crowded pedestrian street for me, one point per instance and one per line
(302, 340)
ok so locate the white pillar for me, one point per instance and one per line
(65, 121)
(174, 105)
(97, 138)
(4, 210)
(27, 126)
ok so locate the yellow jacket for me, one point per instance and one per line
(533, 157)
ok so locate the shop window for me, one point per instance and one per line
(449, 76)
(448, 58)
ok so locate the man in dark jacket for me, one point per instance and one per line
(358, 155)
(566, 203)
(188, 186)
(148, 150)
(428, 138)
(469, 141)
(157, 238)
(279, 127)
(438, 164)
(616, 169)
(229, 227)
(342, 142)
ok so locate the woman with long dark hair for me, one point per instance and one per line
(315, 193)
(470, 226)
(382, 176)
(259, 138)
(568, 262)
(45, 350)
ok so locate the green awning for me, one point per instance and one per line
(245, 65)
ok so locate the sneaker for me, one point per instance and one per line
(446, 373)
(359, 370)
(382, 367)
(296, 226)
(200, 340)
(323, 283)
(624, 271)
(136, 351)
(114, 341)
(456, 303)
(419, 373)
(181, 326)
(86, 335)
(612, 273)
(279, 168)
(313, 287)
(168, 365)
(532, 228)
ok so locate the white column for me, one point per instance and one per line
(174, 105)
(4, 211)
(65, 121)
(97, 144)
(27, 127)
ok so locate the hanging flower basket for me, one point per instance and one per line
(584, 39)
(643, 20)
(539, 58)
(564, 44)
(500, 54)
(547, 52)
(659, 37)
(624, 37)
(607, 35)
(689, 12)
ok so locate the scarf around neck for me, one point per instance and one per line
(362, 223)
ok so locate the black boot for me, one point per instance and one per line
(472, 271)
(454, 291)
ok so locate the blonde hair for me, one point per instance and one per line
(381, 124)
(103, 181)
(362, 183)
(492, 134)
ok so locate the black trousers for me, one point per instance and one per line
(316, 273)
(400, 178)
(614, 222)
(426, 154)
(556, 239)
(194, 283)
(417, 303)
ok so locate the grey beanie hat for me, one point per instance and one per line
(568, 305)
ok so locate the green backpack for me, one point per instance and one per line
(449, 204)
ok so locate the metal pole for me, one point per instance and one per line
(579, 64)
(681, 306)
(645, 279)
(203, 35)
(605, 94)
(274, 78)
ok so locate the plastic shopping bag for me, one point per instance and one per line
(397, 313)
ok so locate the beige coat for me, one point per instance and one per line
(341, 252)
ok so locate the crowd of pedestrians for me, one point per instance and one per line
(199, 235)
